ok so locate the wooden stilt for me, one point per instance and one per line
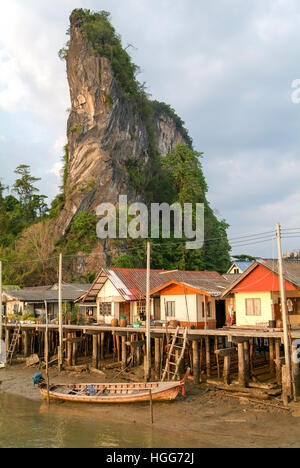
(226, 353)
(272, 355)
(207, 349)
(247, 361)
(251, 354)
(242, 369)
(201, 358)
(26, 343)
(74, 352)
(286, 388)
(102, 346)
(124, 352)
(118, 348)
(99, 349)
(95, 352)
(139, 355)
(278, 361)
(226, 374)
(69, 353)
(157, 357)
(196, 362)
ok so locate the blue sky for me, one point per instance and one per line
(226, 67)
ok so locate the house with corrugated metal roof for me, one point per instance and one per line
(189, 297)
(237, 268)
(34, 300)
(255, 295)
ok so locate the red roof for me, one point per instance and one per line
(261, 279)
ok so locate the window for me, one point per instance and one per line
(105, 308)
(236, 271)
(253, 307)
(141, 310)
(208, 310)
(170, 309)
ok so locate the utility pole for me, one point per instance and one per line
(1, 320)
(47, 352)
(287, 350)
(148, 318)
(60, 354)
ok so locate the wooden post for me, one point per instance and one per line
(99, 349)
(151, 407)
(102, 347)
(207, 349)
(132, 350)
(139, 355)
(242, 369)
(47, 353)
(95, 352)
(216, 347)
(148, 332)
(251, 354)
(74, 354)
(196, 372)
(277, 362)
(69, 352)
(26, 343)
(74, 351)
(295, 367)
(247, 361)
(226, 374)
(157, 357)
(124, 352)
(118, 347)
(7, 339)
(286, 385)
(288, 372)
(2, 350)
(226, 353)
(272, 355)
(61, 343)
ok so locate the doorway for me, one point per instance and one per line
(220, 314)
(125, 311)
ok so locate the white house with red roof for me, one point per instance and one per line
(190, 297)
(255, 295)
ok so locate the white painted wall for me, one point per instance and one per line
(194, 306)
(108, 292)
(181, 308)
(266, 309)
(111, 295)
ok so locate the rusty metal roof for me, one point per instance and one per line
(131, 283)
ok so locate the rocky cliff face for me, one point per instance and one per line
(104, 131)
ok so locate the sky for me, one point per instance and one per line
(227, 67)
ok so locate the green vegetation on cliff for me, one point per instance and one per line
(99, 32)
(182, 180)
(27, 226)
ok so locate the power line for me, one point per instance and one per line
(241, 241)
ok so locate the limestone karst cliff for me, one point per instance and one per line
(107, 126)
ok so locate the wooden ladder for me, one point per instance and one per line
(178, 344)
(13, 344)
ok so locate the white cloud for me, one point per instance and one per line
(225, 66)
(32, 77)
(56, 169)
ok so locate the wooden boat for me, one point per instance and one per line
(113, 392)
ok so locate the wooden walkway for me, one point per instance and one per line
(192, 334)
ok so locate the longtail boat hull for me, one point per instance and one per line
(113, 393)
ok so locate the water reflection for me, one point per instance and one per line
(25, 423)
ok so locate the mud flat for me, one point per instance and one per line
(205, 418)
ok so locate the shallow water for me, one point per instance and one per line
(30, 424)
